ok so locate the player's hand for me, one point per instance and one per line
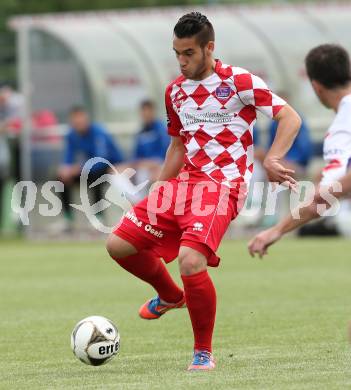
(67, 173)
(277, 173)
(260, 243)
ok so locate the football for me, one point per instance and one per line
(95, 340)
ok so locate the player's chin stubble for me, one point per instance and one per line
(201, 69)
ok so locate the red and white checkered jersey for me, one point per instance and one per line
(215, 118)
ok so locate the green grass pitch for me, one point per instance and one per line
(281, 322)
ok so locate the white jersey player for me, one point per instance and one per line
(337, 144)
(328, 68)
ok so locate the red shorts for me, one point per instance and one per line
(180, 213)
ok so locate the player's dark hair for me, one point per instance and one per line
(77, 110)
(147, 103)
(195, 24)
(329, 64)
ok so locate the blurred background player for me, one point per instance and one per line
(11, 113)
(328, 68)
(11, 110)
(85, 140)
(5, 114)
(151, 144)
(209, 159)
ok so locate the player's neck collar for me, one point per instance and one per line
(218, 65)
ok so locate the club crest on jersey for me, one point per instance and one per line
(179, 99)
(223, 92)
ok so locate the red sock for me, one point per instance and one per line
(150, 268)
(200, 296)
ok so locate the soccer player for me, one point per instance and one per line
(328, 68)
(211, 111)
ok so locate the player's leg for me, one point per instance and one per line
(151, 242)
(65, 224)
(202, 234)
(200, 296)
(147, 266)
(119, 248)
(66, 200)
(97, 192)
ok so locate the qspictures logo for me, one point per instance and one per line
(24, 198)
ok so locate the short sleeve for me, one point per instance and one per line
(252, 90)
(174, 124)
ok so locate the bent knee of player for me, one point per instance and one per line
(191, 261)
(111, 247)
(118, 248)
(313, 207)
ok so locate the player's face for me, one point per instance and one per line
(80, 121)
(147, 114)
(193, 59)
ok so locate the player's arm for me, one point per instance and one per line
(253, 91)
(262, 241)
(289, 123)
(69, 169)
(324, 197)
(331, 188)
(174, 159)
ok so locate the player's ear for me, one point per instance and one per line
(210, 47)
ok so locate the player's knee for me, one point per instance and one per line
(118, 248)
(111, 247)
(191, 261)
(313, 209)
